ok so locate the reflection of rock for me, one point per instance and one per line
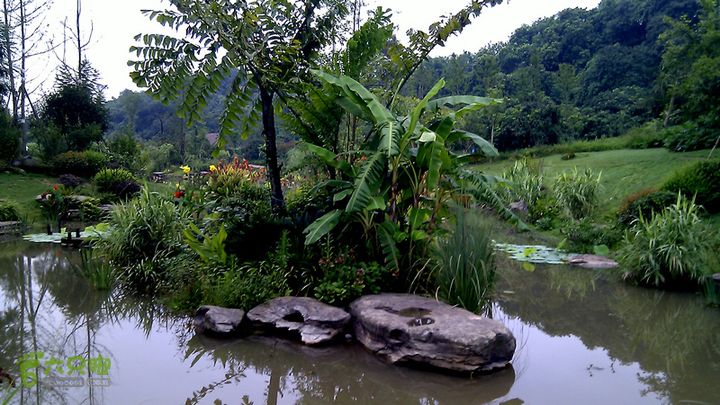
(408, 328)
(314, 321)
(592, 262)
(218, 321)
(347, 374)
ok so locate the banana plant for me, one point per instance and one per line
(399, 183)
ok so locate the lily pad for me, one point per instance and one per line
(90, 232)
(534, 253)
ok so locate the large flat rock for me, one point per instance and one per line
(406, 328)
(314, 321)
(218, 321)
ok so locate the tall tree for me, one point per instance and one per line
(272, 43)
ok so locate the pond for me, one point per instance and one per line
(582, 337)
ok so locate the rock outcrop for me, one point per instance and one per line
(314, 321)
(218, 321)
(411, 329)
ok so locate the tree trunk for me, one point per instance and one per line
(268, 117)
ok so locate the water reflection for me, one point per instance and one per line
(672, 338)
(582, 338)
(343, 374)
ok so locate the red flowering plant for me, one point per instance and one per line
(54, 204)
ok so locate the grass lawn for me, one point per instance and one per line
(23, 189)
(624, 172)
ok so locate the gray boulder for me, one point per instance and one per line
(218, 321)
(406, 328)
(314, 321)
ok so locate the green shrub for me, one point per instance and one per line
(9, 138)
(576, 192)
(701, 180)
(670, 249)
(118, 182)
(9, 211)
(247, 286)
(644, 203)
(343, 282)
(464, 262)
(243, 208)
(584, 236)
(145, 236)
(84, 164)
(544, 212)
(689, 137)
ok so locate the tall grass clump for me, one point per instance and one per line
(9, 211)
(670, 249)
(526, 183)
(464, 262)
(576, 192)
(145, 236)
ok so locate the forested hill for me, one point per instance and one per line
(579, 74)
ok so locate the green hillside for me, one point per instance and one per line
(624, 171)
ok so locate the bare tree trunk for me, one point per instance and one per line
(668, 112)
(25, 129)
(268, 117)
(8, 62)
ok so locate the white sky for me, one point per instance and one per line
(116, 22)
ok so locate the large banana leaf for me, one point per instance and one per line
(480, 187)
(361, 97)
(387, 234)
(432, 156)
(322, 226)
(367, 181)
(329, 158)
(422, 105)
(484, 146)
(452, 101)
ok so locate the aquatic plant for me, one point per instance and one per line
(464, 262)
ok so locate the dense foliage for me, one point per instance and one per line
(585, 74)
(700, 181)
(671, 248)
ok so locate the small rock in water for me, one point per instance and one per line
(315, 322)
(218, 321)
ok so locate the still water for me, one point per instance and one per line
(583, 338)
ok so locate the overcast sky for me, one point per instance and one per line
(116, 22)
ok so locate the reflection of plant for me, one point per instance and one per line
(96, 270)
(576, 192)
(671, 246)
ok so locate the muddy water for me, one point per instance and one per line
(583, 338)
